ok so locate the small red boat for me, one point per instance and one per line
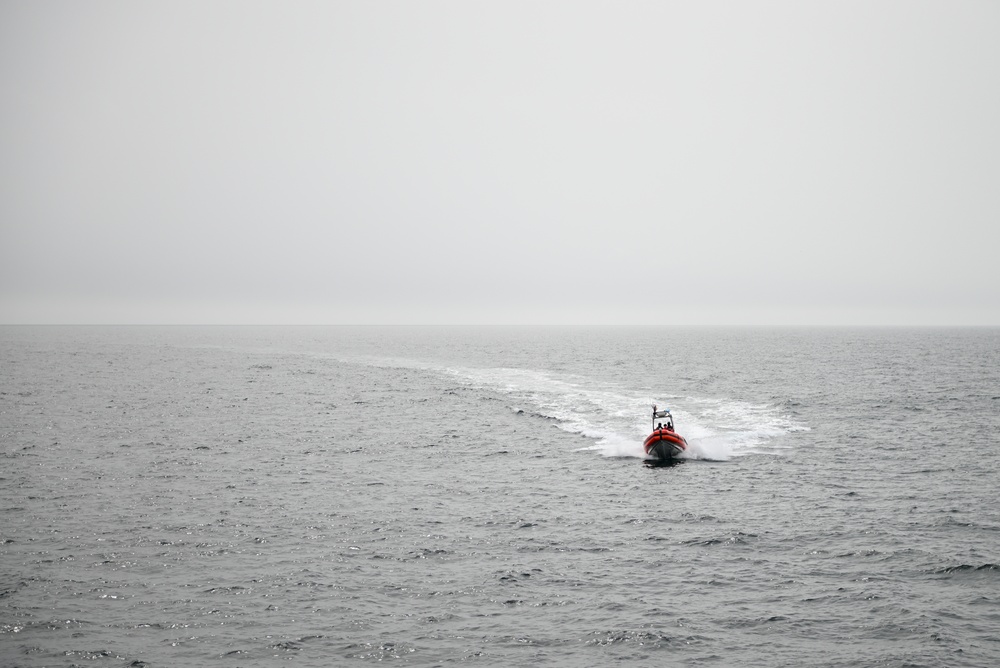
(664, 443)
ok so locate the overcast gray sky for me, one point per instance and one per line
(500, 162)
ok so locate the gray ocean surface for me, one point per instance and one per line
(437, 496)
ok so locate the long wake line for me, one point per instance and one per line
(618, 419)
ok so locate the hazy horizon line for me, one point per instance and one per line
(735, 325)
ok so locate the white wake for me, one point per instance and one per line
(618, 419)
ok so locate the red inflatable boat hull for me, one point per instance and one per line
(665, 444)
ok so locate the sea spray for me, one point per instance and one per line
(710, 448)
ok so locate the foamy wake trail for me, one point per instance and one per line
(618, 419)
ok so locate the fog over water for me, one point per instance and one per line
(514, 162)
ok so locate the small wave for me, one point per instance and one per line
(534, 414)
(639, 637)
(380, 651)
(968, 568)
(427, 553)
(91, 655)
(736, 538)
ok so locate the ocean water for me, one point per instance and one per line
(425, 496)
